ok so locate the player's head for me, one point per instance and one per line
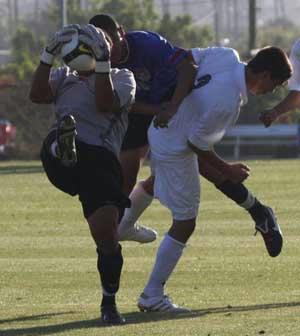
(268, 69)
(116, 33)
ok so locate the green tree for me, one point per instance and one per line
(182, 32)
(132, 14)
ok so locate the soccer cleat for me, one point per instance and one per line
(161, 304)
(138, 233)
(110, 315)
(65, 138)
(270, 231)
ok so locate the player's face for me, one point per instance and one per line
(117, 51)
(266, 84)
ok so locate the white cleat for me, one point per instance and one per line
(138, 233)
(161, 304)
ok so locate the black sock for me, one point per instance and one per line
(110, 267)
(257, 211)
(235, 191)
(239, 194)
(108, 300)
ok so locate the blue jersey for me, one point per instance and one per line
(153, 61)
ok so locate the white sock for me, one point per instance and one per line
(104, 292)
(140, 200)
(167, 257)
(249, 202)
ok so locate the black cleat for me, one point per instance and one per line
(65, 138)
(270, 231)
(111, 316)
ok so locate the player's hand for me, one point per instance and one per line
(166, 112)
(54, 45)
(60, 37)
(268, 117)
(95, 39)
(238, 172)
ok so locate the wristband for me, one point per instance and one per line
(102, 67)
(46, 57)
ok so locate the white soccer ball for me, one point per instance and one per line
(77, 55)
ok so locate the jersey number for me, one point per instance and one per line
(202, 81)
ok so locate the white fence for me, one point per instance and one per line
(258, 135)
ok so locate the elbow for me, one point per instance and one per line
(37, 98)
(34, 98)
(104, 108)
(108, 106)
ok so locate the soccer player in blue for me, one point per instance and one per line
(162, 73)
(164, 76)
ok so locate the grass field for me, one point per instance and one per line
(49, 284)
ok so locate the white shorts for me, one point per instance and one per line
(177, 185)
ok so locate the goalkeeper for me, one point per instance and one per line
(81, 158)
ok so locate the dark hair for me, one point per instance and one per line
(105, 22)
(273, 60)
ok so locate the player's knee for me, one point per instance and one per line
(182, 230)
(103, 224)
(129, 184)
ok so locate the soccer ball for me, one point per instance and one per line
(77, 55)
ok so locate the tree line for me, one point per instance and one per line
(30, 36)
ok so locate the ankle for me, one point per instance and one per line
(108, 300)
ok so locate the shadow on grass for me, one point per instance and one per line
(17, 169)
(131, 318)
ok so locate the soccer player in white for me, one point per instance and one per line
(292, 100)
(220, 89)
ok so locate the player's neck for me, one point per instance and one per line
(125, 51)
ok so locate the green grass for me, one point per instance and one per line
(49, 284)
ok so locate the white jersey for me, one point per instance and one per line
(294, 81)
(202, 119)
(211, 107)
(76, 95)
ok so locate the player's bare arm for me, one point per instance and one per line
(235, 172)
(289, 103)
(146, 109)
(186, 73)
(100, 45)
(106, 99)
(40, 92)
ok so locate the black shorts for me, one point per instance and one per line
(136, 135)
(96, 178)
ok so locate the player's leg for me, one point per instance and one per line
(134, 149)
(140, 198)
(103, 226)
(263, 216)
(130, 162)
(101, 196)
(168, 255)
(177, 187)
